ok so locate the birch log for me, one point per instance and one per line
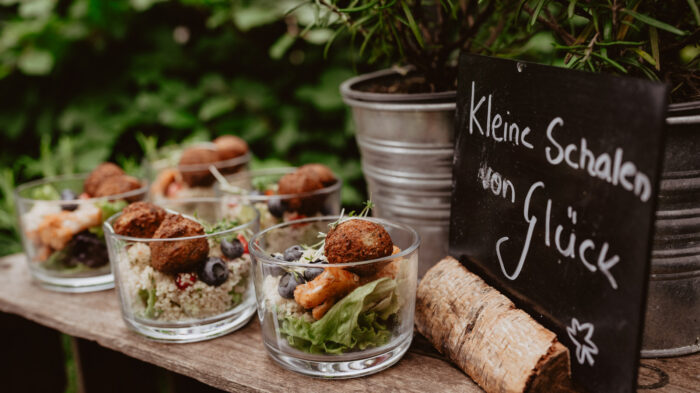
(499, 346)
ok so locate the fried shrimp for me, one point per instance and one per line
(390, 270)
(165, 180)
(56, 230)
(319, 311)
(332, 283)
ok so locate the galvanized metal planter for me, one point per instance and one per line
(672, 323)
(407, 145)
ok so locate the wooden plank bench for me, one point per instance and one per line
(238, 362)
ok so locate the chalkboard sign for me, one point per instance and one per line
(555, 181)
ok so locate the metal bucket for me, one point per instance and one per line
(672, 322)
(407, 147)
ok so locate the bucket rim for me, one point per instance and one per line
(351, 94)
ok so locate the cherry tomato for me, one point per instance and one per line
(244, 242)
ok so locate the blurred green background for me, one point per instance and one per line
(83, 80)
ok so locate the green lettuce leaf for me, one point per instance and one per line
(111, 208)
(108, 210)
(149, 298)
(359, 321)
(46, 192)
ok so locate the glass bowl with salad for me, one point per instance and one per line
(284, 194)
(61, 226)
(339, 303)
(182, 172)
(182, 268)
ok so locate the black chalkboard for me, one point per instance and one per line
(559, 164)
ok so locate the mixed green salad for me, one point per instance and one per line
(69, 238)
(363, 319)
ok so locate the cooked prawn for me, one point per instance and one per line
(164, 180)
(319, 311)
(43, 253)
(332, 283)
(56, 230)
(390, 270)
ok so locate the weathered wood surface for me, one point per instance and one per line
(500, 346)
(238, 362)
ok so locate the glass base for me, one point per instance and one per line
(195, 332)
(74, 284)
(344, 369)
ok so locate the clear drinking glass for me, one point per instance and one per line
(257, 187)
(63, 239)
(183, 307)
(363, 332)
(167, 176)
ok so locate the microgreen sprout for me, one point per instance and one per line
(220, 226)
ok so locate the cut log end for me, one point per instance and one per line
(498, 345)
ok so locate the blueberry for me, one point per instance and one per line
(214, 272)
(88, 249)
(288, 284)
(232, 249)
(275, 270)
(68, 195)
(311, 273)
(276, 207)
(293, 253)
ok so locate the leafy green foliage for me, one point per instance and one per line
(108, 209)
(424, 34)
(657, 40)
(221, 226)
(94, 80)
(360, 320)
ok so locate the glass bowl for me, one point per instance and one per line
(63, 239)
(182, 307)
(257, 188)
(167, 176)
(361, 333)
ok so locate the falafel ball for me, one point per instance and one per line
(357, 240)
(230, 146)
(324, 173)
(299, 182)
(181, 255)
(140, 219)
(99, 175)
(115, 185)
(198, 156)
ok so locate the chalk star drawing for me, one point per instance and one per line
(580, 334)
